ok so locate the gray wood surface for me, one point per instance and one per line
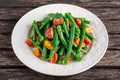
(91, 74)
(12, 69)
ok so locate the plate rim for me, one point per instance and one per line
(105, 49)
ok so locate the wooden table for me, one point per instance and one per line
(107, 69)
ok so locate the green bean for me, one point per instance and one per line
(44, 53)
(71, 39)
(70, 18)
(37, 30)
(87, 22)
(82, 50)
(33, 36)
(55, 43)
(75, 45)
(52, 15)
(90, 37)
(77, 58)
(82, 37)
(36, 45)
(77, 32)
(46, 28)
(55, 40)
(51, 54)
(61, 52)
(60, 61)
(85, 50)
(45, 23)
(65, 29)
(67, 22)
(72, 34)
(61, 36)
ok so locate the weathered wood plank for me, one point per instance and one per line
(91, 74)
(8, 58)
(36, 3)
(102, 13)
(111, 58)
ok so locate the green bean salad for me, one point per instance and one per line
(61, 38)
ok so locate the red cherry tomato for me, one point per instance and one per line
(58, 21)
(55, 58)
(29, 43)
(87, 41)
(78, 22)
(49, 33)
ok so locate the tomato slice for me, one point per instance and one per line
(55, 58)
(37, 52)
(58, 21)
(77, 41)
(78, 22)
(87, 41)
(29, 43)
(49, 33)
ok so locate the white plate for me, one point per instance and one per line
(25, 54)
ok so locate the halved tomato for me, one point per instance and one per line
(58, 21)
(87, 41)
(77, 41)
(78, 22)
(37, 52)
(55, 58)
(29, 43)
(49, 33)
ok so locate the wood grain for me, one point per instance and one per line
(107, 69)
(8, 58)
(27, 74)
(82, 3)
(102, 13)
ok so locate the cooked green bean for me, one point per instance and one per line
(71, 39)
(45, 23)
(82, 37)
(61, 52)
(67, 22)
(77, 32)
(37, 30)
(65, 29)
(44, 34)
(90, 37)
(60, 61)
(55, 43)
(44, 51)
(61, 36)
